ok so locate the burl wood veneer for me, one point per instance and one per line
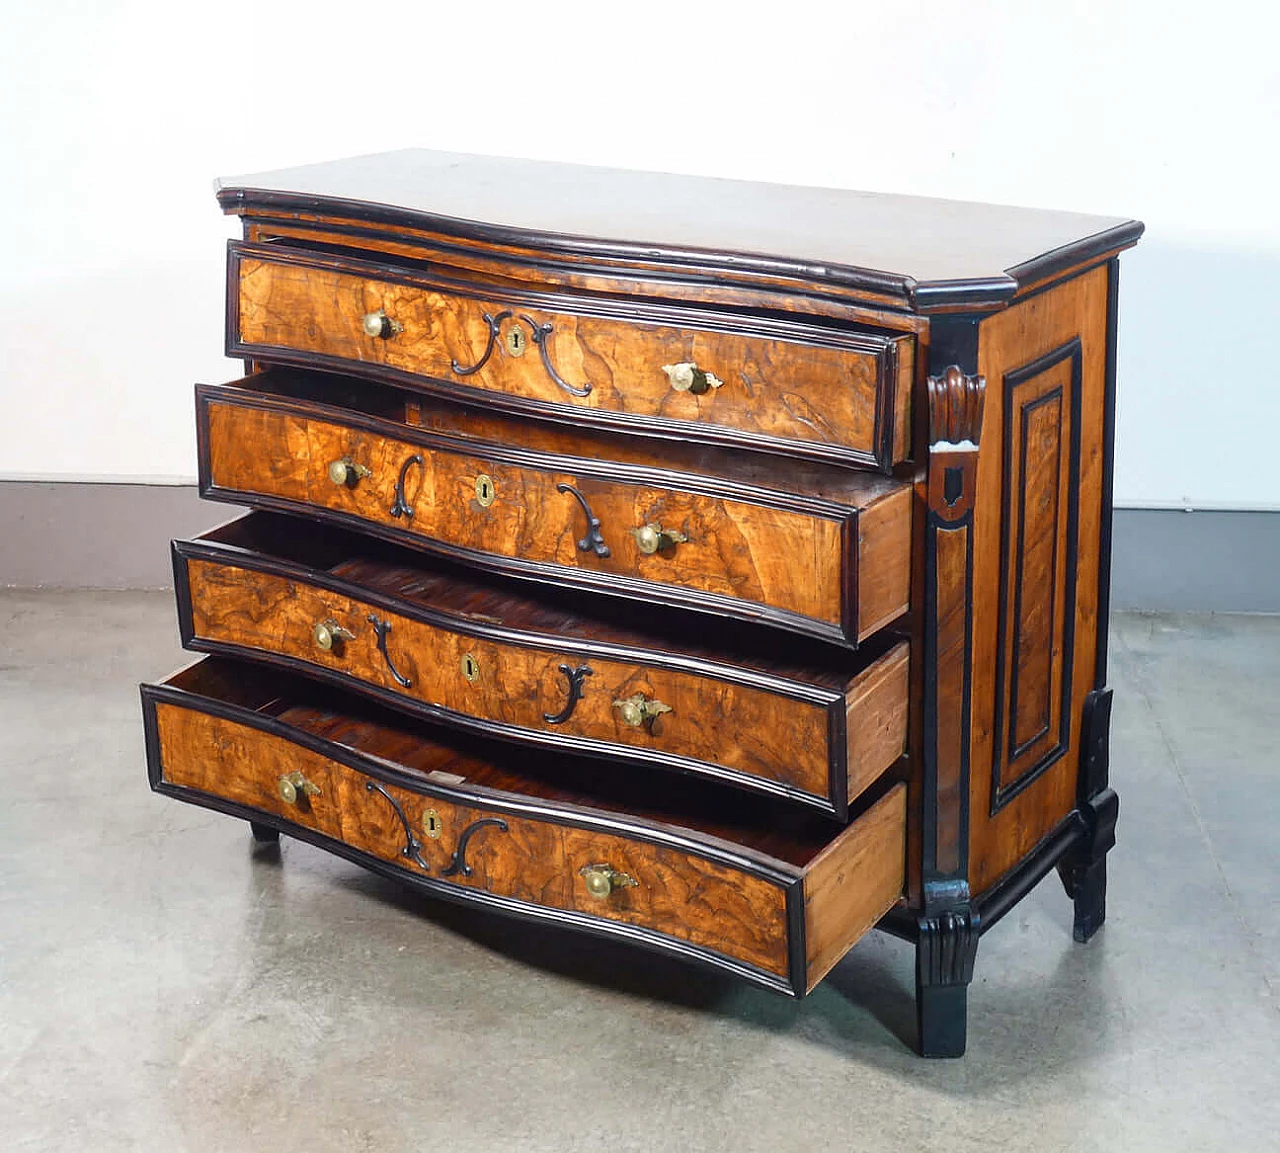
(779, 907)
(780, 385)
(719, 566)
(572, 517)
(448, 644)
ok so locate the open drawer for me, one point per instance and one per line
(685, 525)
(561, 670)
(689, 869)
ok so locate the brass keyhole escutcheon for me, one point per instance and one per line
(486, 490)
(432, 824)
(470, 668)
(516, 340)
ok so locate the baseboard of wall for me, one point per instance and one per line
(1210, 561)
(117, 536)
(110, 536)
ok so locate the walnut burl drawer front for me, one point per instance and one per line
(783, 385)
(631, 530)
(391, 799)
(504, 666)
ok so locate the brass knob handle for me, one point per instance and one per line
(380, 325)
(294, 786)
(688, 377)
(329, 633)
(347, 472)
(654, 538)
(638, 710)
(602, 880)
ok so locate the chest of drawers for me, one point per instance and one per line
(718, 567)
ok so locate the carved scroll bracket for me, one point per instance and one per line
(955, 432)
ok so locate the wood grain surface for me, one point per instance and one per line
(825, 235)
(513, 265)
(677, 894)
(783, 389)
(749, 730)
(877, 705)
(737, 550)
(1011, 342)
(853, 882)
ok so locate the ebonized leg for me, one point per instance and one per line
(945, 950)
(1084, 869)
(264, 834)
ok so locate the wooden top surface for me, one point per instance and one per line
(821, 234)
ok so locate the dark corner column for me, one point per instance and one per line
(1084, 869)
(948, 923)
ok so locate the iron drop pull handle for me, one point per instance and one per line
(594, 540)
(575, 677)
(382, 628)
(401, 507)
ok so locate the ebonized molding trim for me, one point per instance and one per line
(920, 296)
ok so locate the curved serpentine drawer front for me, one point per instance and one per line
(478, 654)
(649, 532)
(777, 903)
(784, 385)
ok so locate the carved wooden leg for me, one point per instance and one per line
(1084, 869)
(945, 951)
(264, 834)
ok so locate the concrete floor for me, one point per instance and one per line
(165, 986)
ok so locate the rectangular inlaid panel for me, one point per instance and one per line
(841, 391)
(1037, 599)
(678, 894)
(1038, 536)
(737, 552)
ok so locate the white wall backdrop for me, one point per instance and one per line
(116, 116)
